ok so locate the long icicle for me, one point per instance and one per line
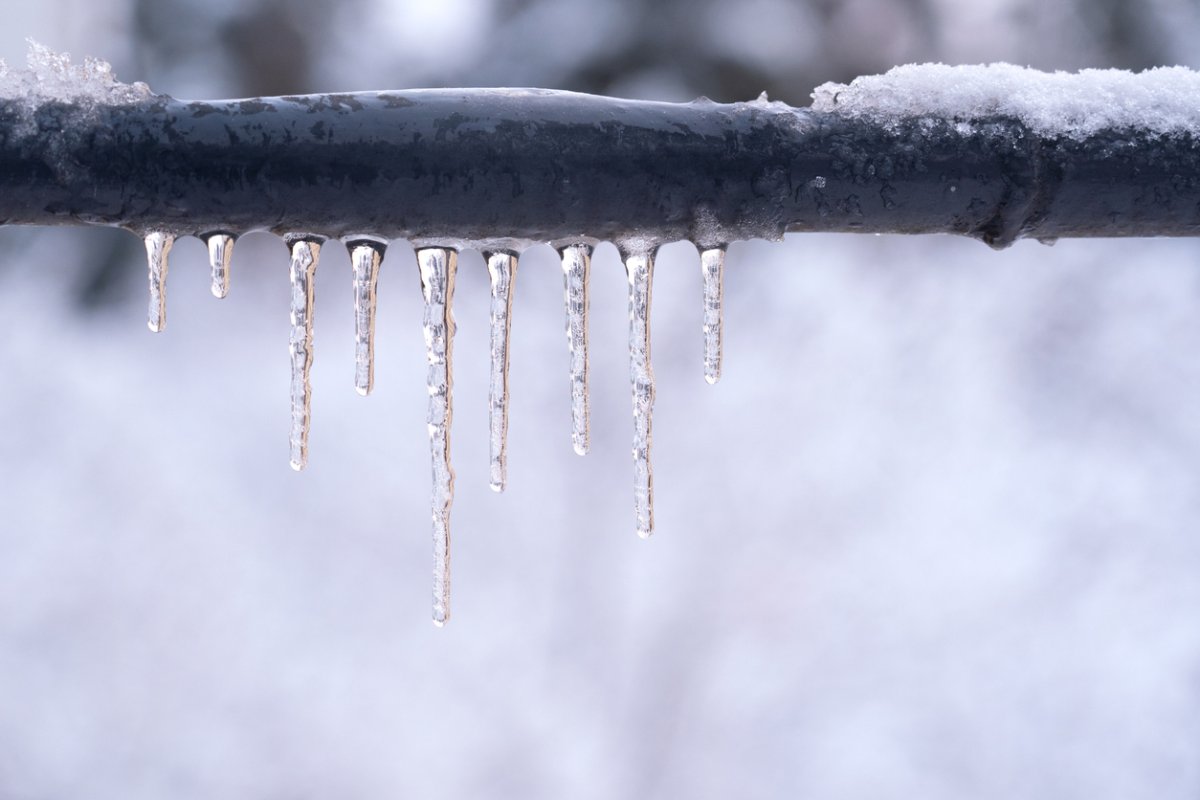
(158, 251)
(712, 269)
(502, 269)
(365, 259)
(437, 284)
(576, 263)
(220, 255)
(639, 268)
(305, 255)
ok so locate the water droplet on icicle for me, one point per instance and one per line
(502, 268)
(365, 259)
(220, 254)
(305, 254)
(712, 269)
(158, 250)
(639, 268)
(437, 285)
(576, 263)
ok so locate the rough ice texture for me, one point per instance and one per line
(502, 269)
(305, 255)
(576, 264)
(365, 260)
(51, 76)
(437, 285)
(712, 271)
(158, 251)
(640, 271)
(1163, 101)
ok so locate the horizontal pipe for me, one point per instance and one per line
(500, 168)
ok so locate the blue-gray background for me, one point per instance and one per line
(933, 535)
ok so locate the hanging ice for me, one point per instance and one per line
(639, 268)
(712, 268)
(220, 254)
(365, 258)
(158, 250)
(437, 284)
(502, 269)
(305, 254)
(576, 263)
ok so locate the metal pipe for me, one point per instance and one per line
(490, 167)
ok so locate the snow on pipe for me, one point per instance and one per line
(996, 153)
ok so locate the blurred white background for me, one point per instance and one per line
(933, 535)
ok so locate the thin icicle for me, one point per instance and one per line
(220, 254)
(639, 269)
(158, 250)
(712, 268)
(576, 263)
(502, 268)
(437, 284)
(305, 254)
(365, 259)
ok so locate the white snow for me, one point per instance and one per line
(51, 76)
(1165, 100)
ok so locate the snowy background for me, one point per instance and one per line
(933, 535)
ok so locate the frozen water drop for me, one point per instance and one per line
(576, 263)
(712, 268)
(437, 285)
(220, 254)
(305, 254)
(365, 259)
(639, 268)
(158, 251)
(502, 269)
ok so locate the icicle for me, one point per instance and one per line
(220, 253)
(576, 263)
(365, 259)
(305, 254)
(640, 271)
(158, 250)
(712, 268)
(437, 284)
(502, 268)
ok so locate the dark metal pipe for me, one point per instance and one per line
(482, 166)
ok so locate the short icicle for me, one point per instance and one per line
(365, 259)
(712, 269)
(305, 254)
(576, 263)
(158, 250)
(220, 254)
(502, 269)
(437, 285)
(639, 268)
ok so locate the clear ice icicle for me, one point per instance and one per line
(220, 254)
(305, 254)
(365, 259)
(639, 268)
(158, 250)
(712, 269)
(437, 285)
(502, 269)
(576, 263)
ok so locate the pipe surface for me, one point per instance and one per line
(502, 168)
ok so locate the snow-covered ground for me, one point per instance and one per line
(933, 534)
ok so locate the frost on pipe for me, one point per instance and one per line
(996, 153)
